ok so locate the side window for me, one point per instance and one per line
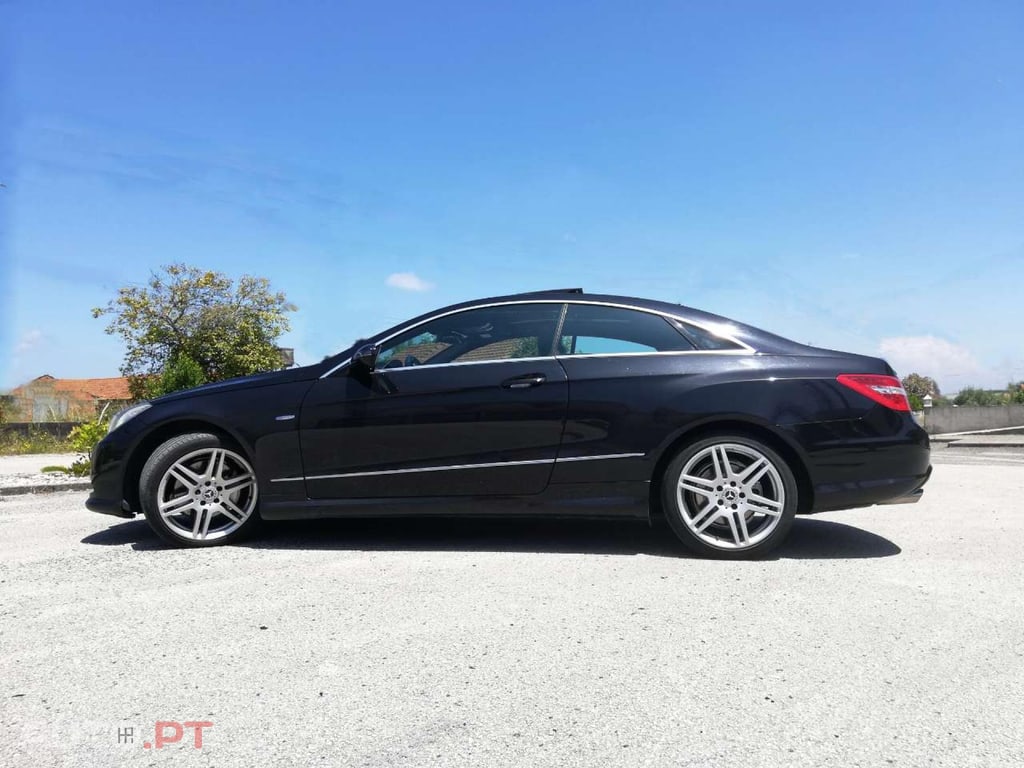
(413, 350)
(705, 339)
(508, 349)
(488, 334)
(591, 329)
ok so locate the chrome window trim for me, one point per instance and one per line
(431, 366)
(449, 467)
(658, 354)
(744, 347)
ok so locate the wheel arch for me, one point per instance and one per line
(161, 434)
(735, 426)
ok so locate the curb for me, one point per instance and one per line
(17, 490)
(997, 432)
(967, 443)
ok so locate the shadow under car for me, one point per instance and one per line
(809, 539)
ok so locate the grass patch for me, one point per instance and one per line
(36, 441)
(81, 467)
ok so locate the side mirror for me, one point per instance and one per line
(364, 359)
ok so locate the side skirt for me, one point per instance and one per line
(565, 500)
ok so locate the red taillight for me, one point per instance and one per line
(886, 390)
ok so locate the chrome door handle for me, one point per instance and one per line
(524, 382)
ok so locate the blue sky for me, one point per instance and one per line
(850, 175)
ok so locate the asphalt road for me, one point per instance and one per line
(983, 456)
(882, 636)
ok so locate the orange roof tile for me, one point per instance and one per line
(115, 388)
(101, 389)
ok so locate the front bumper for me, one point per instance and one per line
(108, 461)
(117, 508)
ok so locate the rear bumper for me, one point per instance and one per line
(861, 469)
(914, 496)
(910, 498)
(865, 493)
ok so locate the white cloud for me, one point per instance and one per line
(408, 281)
(952, 365)
(28, 341)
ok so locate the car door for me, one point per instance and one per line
(626, 367)
(469, 403)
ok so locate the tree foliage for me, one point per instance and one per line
(83, 439)
(919, 385)
(6, 408)
(226, 327)
(181, 372)
(977, 396)
(1016, 392)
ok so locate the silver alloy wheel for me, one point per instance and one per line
(207, 494)
(731, 496)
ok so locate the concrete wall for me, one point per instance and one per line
(968, 418)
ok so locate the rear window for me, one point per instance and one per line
(591, 329)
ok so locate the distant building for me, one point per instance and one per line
(50, 399)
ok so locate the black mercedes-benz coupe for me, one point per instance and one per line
(547, 403)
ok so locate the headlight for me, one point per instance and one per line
(123, 416)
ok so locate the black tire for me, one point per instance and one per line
(199, 478)
(717, 506)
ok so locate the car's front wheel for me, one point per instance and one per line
(198, 490)
(729, 496)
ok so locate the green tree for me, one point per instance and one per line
(1016, 392)
(227, 327)
(976, 396)
(919, 385)
(181, 372)
(6, 407)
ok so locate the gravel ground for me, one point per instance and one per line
(882, 636)
(18, 473)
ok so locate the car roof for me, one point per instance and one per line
(760, 340)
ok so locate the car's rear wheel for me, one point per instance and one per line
(199, 490)
(729, 496)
